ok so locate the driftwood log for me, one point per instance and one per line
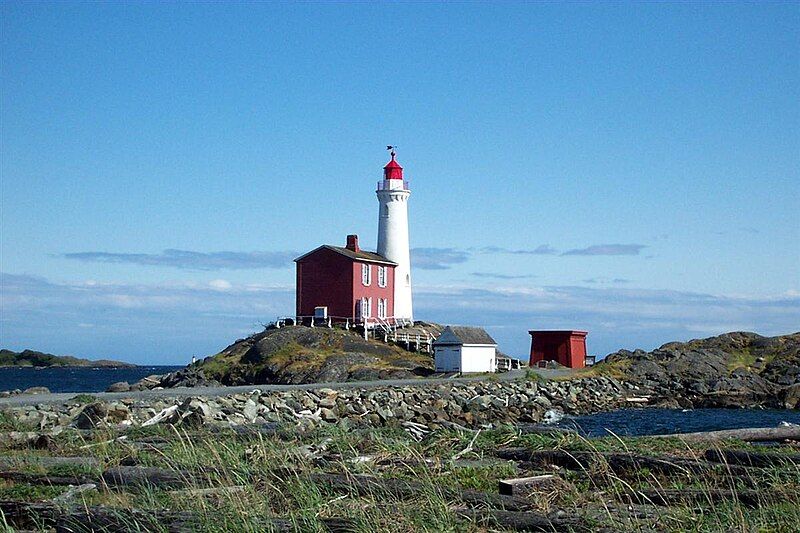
(49, 462)
(669, 497)
(746, 434)
(44, 479)
(127, 476)
(517, 521)
(619, 463)
(757, 459)
(406, 489)
(68, 519)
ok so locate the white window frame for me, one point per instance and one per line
(382, 307)
(369, 308)
(382, 275)
(366, 274)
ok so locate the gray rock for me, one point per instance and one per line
(91, 416)
(119, 386)
(36, 390)
(250, 410)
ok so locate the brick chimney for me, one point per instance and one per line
(352, 243)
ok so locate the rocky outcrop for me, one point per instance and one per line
(731, 370)
(470, 404)
(299, 354)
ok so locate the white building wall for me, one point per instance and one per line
(478, 358)
(466, 359)
(393, 242)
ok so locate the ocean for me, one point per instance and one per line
(75, 379)
(652, 421)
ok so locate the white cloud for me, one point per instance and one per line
(168, 322)
(220, 284)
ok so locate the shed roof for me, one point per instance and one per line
(460, 335)
(361, 255)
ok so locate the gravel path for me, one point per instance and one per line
(182, 392)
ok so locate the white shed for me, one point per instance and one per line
(465, 350)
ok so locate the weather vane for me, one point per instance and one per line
(391, 150)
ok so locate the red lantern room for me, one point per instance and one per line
(392, 170)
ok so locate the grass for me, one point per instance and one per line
(83, 398)
(746, 359)
(275, 476)
(615, 369)
(11, 423)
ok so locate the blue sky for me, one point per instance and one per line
(629, 169)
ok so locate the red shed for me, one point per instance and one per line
(568, 348)
(353, 285)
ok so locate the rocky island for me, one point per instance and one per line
(30, 358)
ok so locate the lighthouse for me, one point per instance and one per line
(393, 243)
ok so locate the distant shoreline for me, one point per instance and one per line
(34, 359)
(122, 365)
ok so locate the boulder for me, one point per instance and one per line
(36, 390)
(91, 416)
(119, 386)
(790, 396)
(250, 410)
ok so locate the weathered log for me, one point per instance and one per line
(405, 489)
(519, 521)
(620, 463)
(126, 476)
(745, 434)
(68, 519)
(745, 458)
(48, 462)
(45, 479)
(73, 492)
(670, 497)
(542, 458)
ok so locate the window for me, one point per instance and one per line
(364, 308)
(383, 304)
(366, 274)
(382, 271)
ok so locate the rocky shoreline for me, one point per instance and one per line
(732, 370)
(473, 404)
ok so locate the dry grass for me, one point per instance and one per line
(273, 476)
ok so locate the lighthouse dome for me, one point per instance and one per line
(393, 170)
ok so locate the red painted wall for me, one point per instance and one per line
(327, 278)
(324, 278)
(568, 348)
(373, 290)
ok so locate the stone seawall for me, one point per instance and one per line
(468, 404)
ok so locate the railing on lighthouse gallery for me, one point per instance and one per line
(388, 185)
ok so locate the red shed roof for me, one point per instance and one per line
(558, 332)
(361, 255)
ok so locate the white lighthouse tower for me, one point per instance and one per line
(393, 242)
